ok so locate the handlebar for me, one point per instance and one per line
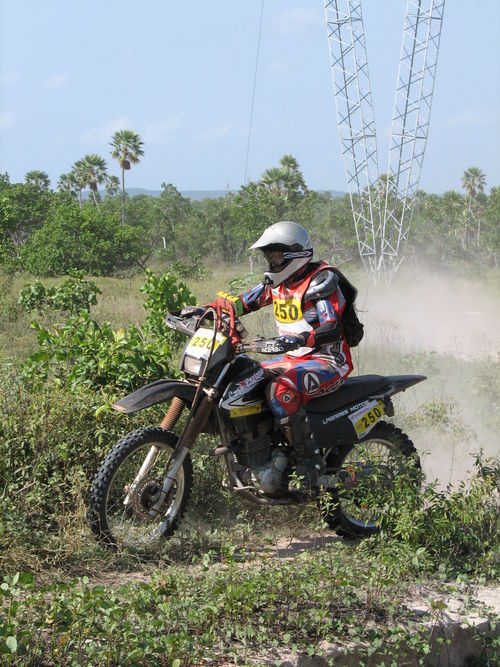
(262, 346)
(189, 325)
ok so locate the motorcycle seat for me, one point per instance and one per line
(354, 389)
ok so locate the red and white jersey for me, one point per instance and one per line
(295, 314)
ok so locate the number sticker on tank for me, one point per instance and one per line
(365, 419)
(287, 310)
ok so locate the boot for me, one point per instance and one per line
(310, 463)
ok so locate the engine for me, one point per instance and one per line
(263, 463)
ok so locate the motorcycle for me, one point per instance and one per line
(142, 487)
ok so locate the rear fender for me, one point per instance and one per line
(154, 393)
(402, 382)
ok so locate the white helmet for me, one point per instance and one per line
(294, 241)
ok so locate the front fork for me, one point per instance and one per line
(168, 422)
(186, 441)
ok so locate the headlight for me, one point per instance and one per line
(192, 365)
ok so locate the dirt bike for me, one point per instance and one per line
(142, 487)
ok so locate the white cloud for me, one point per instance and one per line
(6, 120)
(297, 19)
(471, 118)
(162, 131)
(55, 81)
(105, 132)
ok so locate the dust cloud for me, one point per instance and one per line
(446, 327)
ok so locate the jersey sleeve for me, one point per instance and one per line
(258, 297)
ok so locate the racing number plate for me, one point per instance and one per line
(365, 419)
(200, 344)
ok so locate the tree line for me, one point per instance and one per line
(49, 232)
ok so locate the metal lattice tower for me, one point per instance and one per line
(410, 124)
(353, 98)
(382, 235)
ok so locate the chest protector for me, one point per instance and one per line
(288, 309)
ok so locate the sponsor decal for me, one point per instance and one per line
(358, 405)
(244, 385)
(311, 383)
(338, 415)
(286, 397)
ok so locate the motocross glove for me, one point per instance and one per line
(228, 301)
(290, 342)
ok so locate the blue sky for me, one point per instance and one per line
(181, 73)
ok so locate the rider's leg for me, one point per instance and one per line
(301, 381)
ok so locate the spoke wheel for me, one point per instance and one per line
(367, 472)
(121, 498)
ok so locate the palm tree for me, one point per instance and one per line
(473, 182)
(285, 180)
(78, 174)
(127, 149)
(112, 186)
(276, 180)
(38, 178)
(67, 183)
(92, 169)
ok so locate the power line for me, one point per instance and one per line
(253, 92)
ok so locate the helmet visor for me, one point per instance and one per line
(274, 256)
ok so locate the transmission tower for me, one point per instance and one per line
(410, 124)
(382, 235)
(353, 99)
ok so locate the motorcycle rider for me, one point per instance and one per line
(308, 305)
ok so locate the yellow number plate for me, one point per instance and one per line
(200, 344)
(244, 411)
(364, 420)
(287, 310)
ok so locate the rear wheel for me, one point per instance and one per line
(128, 484)
(367, 473)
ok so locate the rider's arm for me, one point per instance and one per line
(325, 293)
(256, 298)
(253, 299)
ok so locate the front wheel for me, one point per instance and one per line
(127, 485)
(367, 473)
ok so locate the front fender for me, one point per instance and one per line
(154, 393)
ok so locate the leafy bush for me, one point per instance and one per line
(85, 239)
(83, 352)
(74, 295)
(455, 530)
(192, 269)
(164, 294)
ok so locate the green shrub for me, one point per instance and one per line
(50, 446)
(74, 295)
(164, 294)
(82, 352)
(85, 239)
(456, 530)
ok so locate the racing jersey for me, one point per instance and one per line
(295, 313)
